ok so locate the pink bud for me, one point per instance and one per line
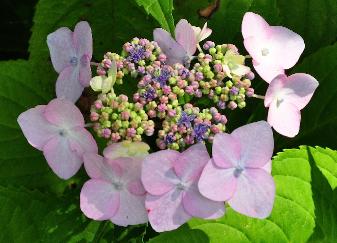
(98, 104)
(94, 116)
(125, 115)
(106, 132)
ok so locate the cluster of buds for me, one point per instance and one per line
(169, 94)
(222, 76)
(117, 119)
(190, 125)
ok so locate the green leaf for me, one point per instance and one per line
(325, 198)
(161, 10)
(292, 218)
(30, 216)
(319, 118)
(20, 163)
(326, 161)
(315, 21)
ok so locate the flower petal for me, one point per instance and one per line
(275, 88)
(83, 139)
(131, 210)
(267, 72)
(285, 118)
(253, 25)
(225, 150)
(166, 212)
(185, 36)
(85, 72)
(68, 85)
(286, 46)
(63, 113)
(174, 52)
(83, 39)
(37, 130)
(136, 187)
(257, 144)
(216, 183)
(158, 176)
(99, 168)
(255, 194)
(300, 87)
(199, 206)
(62, 160)
(99, 200)
(191, 162)
(60, 44)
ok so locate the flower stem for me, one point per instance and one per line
(199, 48)
(94, 64)
(259, 96)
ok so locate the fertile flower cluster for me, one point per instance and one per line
(218, 74)
(181, 98)
(117, 119)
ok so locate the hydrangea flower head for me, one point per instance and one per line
(273, 48)
(182, 48)
(58, 130)
(170, 178)
(71, 53)
(115, 191)
(237, 172)
(285, 97)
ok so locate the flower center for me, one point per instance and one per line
(74, 61)
(62, 132)
(264, 52)
(238, 171)
(117, 185)
(180, 186)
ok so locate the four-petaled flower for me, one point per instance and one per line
(70, 54)
(273, 48)
(239, 171)
(58, 130)
(171, 178)
(285, 97)
(115, 191)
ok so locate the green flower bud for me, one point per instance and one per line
(125, 124)
(172, 80)
(140, 130)
(218, 90)
(210, 75)
(106, 124)
(229, 84)
(153, 58)
(114, 116)
(212, 51)
(141, 63)
(242, 105)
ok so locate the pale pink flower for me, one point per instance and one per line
(171, 178)
(58, 130)
(115, 191)
(239, 171)
(285, 97)
(273, 48)
(70, 54)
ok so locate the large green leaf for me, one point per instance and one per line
(161, 10)
(30, 216)
(292, 218)
(325, 198)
